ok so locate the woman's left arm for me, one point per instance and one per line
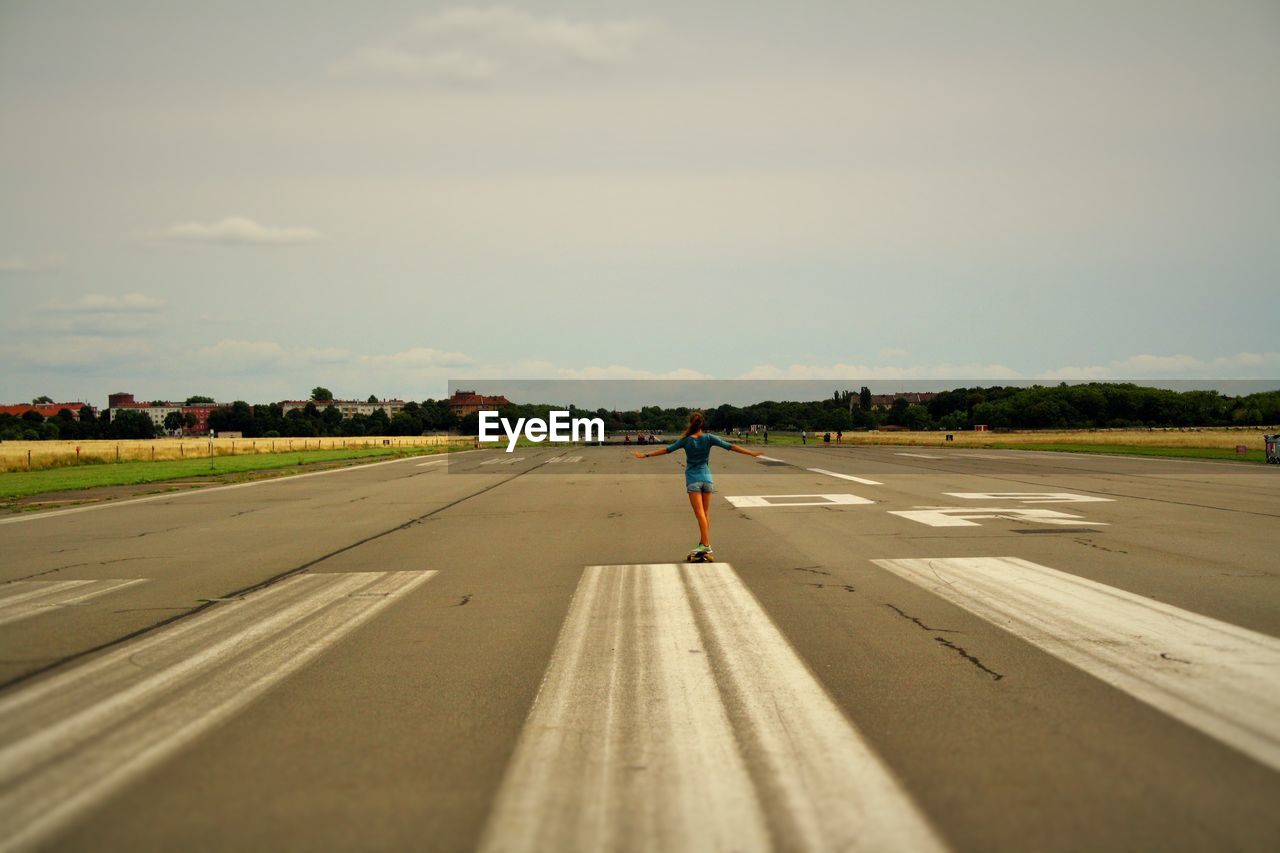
(736, 448)
(661, 451)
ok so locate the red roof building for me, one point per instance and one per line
(464, 403)
(46, 410)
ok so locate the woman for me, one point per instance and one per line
(697, 474)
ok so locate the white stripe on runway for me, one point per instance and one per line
(770, 459)
(920, 455)
(23, 599)
(846, 477)
(512, 460)
(69, 741)
(432, 462)
(1215, 677)
(556, 460)
(168, 496)
(674, 716)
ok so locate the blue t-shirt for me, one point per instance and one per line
(697, 450)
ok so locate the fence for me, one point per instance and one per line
(36, 455)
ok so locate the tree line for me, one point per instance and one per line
(1094, 405)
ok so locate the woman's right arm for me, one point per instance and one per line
(661, 451)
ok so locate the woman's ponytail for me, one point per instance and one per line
(697, 421)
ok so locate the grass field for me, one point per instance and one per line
(21, 484)
(1198, 444)
(39, 455)
(1140, 450)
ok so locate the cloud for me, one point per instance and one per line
(534, 369)
(19, 264)
(94, 315)
(417, 358)
(863, 371)
(234, 230)
(105, 303)
(1242, 365)
(479, 45)
(81, 353)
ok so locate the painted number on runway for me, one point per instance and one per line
(964, 516)
(1030, 497)
(744, 501)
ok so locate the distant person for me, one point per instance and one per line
(839, 436)
(626, 438)
(766, 435)
(803, 439)
(826, 438)
(697, 475)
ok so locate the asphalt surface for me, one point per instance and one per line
(1049, 652)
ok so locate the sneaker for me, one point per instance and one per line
(703, 549)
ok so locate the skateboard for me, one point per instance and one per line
(696, 556)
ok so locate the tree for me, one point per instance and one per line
(198, 400)
(864, 399)
(321, 394)
(129, 424)
(41, 400)
(173, 421)
(373, 400)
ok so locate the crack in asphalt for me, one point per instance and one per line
(896, 609)
(960, 650)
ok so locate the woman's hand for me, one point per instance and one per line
(756, 452)
(637, 454)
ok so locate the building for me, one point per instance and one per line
(117, 403)
(45, 410)
(349, 408)
(464, 403)
(885, 401)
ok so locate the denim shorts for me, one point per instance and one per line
(705, 486)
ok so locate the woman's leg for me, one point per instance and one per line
(695, 500)
(706, 518)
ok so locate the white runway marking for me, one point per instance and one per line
(769, 458)
(675, 717)
(513, 460)
(168, 496)
(846, 477)
(921, 455)
(743, 501)
(1215, 677)
(1030, 497)
(432, 462)
(24, 599)
(558, 459)
(963, 516)
(69, 741)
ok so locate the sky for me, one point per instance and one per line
(249, 199)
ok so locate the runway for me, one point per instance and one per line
(898, 648)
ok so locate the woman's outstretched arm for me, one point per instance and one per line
(738, 448)
(661, 451)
